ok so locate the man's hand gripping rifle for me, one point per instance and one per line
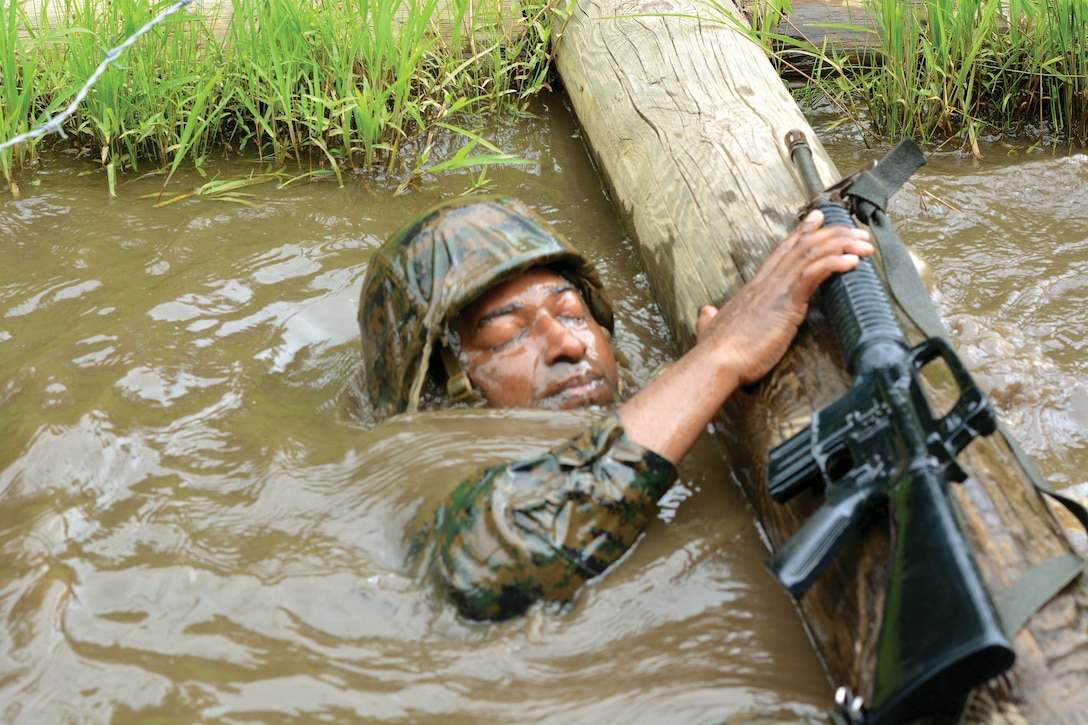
(880, 447)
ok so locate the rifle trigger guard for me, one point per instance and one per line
(969, 418)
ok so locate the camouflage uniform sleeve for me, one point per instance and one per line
(539, 528)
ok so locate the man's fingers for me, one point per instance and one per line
(809, 236)
(810, 224)
(706, 314)
(811, 254)
(818, 271)
(830, 241)
(825, 252)
(858, 247)
(824, 234)
(813, 220)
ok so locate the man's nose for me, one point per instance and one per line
(560, 341)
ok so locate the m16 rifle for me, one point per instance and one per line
(880, 448)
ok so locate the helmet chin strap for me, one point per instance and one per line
(458, 386)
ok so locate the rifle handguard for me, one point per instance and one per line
(856, 301)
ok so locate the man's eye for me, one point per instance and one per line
(569, 308)
(501, 336)
(509, 342)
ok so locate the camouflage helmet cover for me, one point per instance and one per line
(434, 267)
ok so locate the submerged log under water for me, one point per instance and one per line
(685, 118)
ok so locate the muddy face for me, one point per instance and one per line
(531, 343)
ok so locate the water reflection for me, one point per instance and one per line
(1014, 290)
(200, 524)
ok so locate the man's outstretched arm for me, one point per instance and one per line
(538, 529)
(740, 343)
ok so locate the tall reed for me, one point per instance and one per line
(340, 85)
(17, 100)
(952, 71)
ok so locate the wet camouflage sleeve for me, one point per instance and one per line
(538, 529)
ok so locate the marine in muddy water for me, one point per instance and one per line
(483, 296)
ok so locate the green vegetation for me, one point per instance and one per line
(324, 87)
(951, 72)
(365, 87)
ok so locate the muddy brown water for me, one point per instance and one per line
(199, 522)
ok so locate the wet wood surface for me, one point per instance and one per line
(686, 118)
(838, 25)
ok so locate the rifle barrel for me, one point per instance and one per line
(801, 155)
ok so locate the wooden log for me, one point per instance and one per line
(686, 118)
(838, 27)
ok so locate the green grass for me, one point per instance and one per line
(360, 88)
(957, 71)
(337, 86)
(951, 72)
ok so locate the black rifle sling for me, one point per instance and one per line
(869, 193)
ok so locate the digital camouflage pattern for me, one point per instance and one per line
(540, 528)
(432, 268)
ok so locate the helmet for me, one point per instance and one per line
(431, 269)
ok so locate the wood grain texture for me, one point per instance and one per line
(686, 119)
(694, 156)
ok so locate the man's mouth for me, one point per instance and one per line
(587, 388)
